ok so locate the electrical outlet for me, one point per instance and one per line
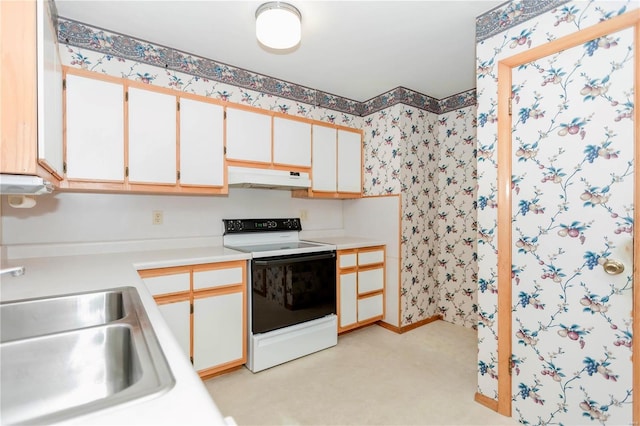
(304, 215)
(156, 217)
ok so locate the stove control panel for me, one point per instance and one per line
(236, 226)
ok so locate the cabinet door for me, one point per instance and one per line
(201, 143)
(152, 137)
(348, 299)
(19, 128)
(178, 318)
(349, 162)
(49, 91)
(324, 159)
(248, 136)
(370, 307)
(291, 142)
(218, 324)
(95, 129)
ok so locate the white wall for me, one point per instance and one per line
(80, 218)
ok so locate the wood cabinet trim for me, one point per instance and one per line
(159, 272)
(172, 298)
(18, 86)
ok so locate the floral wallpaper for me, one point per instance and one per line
(430, 160)
(571, 171)
(456, 255)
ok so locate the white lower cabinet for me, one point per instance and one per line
(361, 275)
(348, 299)
(204, 307)
(177, 316)
(217, 330)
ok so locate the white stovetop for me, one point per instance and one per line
(188, 402)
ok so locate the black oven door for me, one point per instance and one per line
(288, 290)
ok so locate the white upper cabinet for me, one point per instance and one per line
(201, 143)
(248, 136)
(337, 161)
(324, 159)
(291, 142)
(349, 161)
(152, 137)
(95, 129)
(49, 91)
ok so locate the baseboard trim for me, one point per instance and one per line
(409, 327)
(490, 403)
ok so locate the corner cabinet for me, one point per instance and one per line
(360, 278)
(31, 90)
(336, 170)
(205, 308)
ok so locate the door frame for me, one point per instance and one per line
(504, 151)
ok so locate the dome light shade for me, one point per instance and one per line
(278, 25)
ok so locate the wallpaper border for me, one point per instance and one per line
(120, 45)
(107, 42)
(510, 14)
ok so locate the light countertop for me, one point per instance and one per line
(188, 402)
(347, 242)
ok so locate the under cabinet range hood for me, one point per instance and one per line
(24, 185)
(249, 177)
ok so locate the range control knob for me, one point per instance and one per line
(272, 224)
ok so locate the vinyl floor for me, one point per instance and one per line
(426, 376)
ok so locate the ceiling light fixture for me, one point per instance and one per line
(278, 25)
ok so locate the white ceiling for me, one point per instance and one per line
(354, 49)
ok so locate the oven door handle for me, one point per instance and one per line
(290, 260)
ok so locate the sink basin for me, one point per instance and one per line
(35, 317)
(105, 355)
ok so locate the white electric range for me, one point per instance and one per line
(291, 290)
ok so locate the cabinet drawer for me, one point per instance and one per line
(369, 307)
(371, 280)
(166, 284)
(347, 260)
(370, 257)
(217, 278)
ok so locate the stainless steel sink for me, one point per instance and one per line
(35, 317)
(101, 353)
